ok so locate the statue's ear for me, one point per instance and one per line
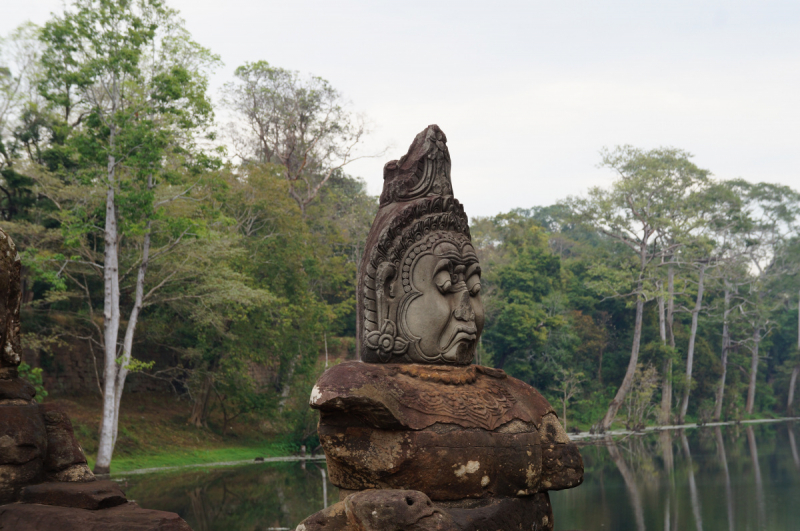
(384, 289)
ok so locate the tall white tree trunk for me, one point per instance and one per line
(726, 345)
(792, 385)
(796, 371)
(751, 388)
(627, 382)
(698, 304)
(116, 371)
(111, 317)
(666, 382)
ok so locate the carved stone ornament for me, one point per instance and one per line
(419, 280)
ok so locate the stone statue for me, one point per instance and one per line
(41, 464)
(419, 282)
(468, 446)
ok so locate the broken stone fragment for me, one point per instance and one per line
(23, 445)
(381, 510)
(65, 460)
(390, 510)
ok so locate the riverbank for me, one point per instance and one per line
(154, 433)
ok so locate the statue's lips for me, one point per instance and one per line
(462, 333)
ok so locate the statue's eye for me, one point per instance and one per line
(443, 281)
(474, 285)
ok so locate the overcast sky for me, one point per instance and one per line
(529, 92)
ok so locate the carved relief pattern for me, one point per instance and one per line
(430, 175)
(482, 402)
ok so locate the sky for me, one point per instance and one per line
(528, 93)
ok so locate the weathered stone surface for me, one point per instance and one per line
(394, 396)
(14, 477)
(125, 517)
(63, 450)
(23, 445)
(507, 514)
(389, 510)
(490, 514)
(381, 510)
(92, 495)
(16, 389)
(333, 518)
(468, 463)
(22, 434)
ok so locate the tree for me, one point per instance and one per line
(569, 386)
(639, 212)
(19, 55)
(301, 124)
(129, 86)
(772, 214)
(519, 322)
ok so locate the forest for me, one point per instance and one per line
(205, 245)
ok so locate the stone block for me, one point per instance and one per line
(93, 495)
(125, 517)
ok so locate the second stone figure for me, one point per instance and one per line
(415, 436)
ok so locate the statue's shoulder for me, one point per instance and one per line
(415, 396)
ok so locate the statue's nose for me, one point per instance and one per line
(464, 310)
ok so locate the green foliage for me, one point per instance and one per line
(34, 376)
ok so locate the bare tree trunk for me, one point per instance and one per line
(627, 382)
(792, 384)
(286, 389)
(666, 381)
(200, 406)
(796, 370)
(726, 345)
(690, 352)
(751, 388)
(116, 374)
(111, 320)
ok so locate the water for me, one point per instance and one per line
(742, 478)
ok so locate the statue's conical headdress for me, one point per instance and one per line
(418, 216)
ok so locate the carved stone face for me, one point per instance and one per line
(441, 314)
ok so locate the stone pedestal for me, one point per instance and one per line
(478, 446)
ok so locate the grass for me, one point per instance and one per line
(183, 457)
(154, 433)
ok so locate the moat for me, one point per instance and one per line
(738, 477)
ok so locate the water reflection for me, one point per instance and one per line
(251, 497)
(734, 477)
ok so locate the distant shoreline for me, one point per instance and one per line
(585, 435)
